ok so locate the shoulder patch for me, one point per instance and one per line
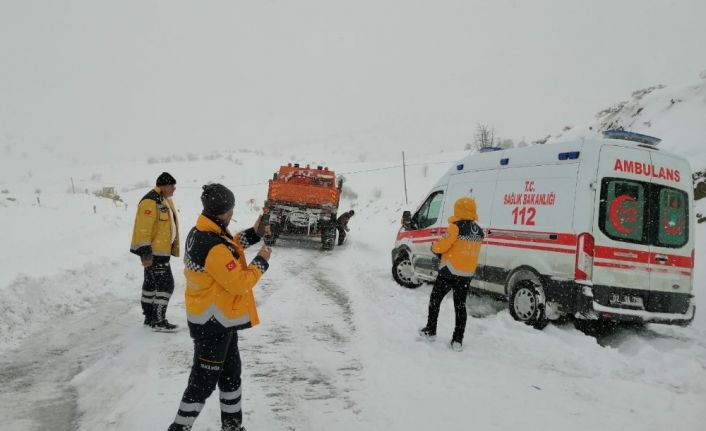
(230, 265)
(148, 212)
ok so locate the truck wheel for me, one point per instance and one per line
(272, 239)
(403, 272)
(328, 239)
(527, 304)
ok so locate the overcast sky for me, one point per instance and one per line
(138, 77)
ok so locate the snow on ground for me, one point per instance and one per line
(337, 347)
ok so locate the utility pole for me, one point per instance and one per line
(404, 176)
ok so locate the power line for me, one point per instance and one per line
(397, 166)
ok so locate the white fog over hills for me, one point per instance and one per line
(133, 78)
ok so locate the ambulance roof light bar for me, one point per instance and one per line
(489, 149)
(631, 136)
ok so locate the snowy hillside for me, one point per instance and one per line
(674, 114)
(337, 346)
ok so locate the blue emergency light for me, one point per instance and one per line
(489, 149)
(631, 136)
(570, 155)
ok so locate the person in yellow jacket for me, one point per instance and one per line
(155, 238)
(219, 302)
(459, 250)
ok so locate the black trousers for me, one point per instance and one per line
(341, 234)
(157, 289)
(216, 362)
(442, 286)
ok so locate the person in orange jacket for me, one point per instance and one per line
(219, 303)
(459, 250)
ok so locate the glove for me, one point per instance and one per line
(146, 260)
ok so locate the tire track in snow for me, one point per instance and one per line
(305, 363)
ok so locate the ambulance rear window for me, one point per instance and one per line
(623, 210)
(673, 227)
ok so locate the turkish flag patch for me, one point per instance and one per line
(148, 212)
(230, 265)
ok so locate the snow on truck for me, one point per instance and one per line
(302, 202)
(599, 229)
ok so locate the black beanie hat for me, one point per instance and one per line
(165, 179)
(217, 199)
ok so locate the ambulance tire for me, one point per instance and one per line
(401, 269)
(527, 303)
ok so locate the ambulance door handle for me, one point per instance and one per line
(661, 259)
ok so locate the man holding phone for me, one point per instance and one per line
(219, 302)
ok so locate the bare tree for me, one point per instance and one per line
(484, 137)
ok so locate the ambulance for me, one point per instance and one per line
(601, 229)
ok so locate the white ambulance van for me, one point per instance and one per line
(600, 229)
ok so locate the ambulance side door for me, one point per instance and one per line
(428, 228)
(479, 185)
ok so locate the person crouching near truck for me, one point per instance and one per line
(219, 302)
(459, 250)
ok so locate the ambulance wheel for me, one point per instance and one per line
(403, 272)
(527, 304)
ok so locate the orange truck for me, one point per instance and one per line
(302, 202)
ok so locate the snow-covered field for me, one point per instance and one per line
(337, 347)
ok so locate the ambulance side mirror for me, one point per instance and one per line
(407, 220)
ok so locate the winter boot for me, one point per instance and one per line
(148, 321)
(164, 326)
(160, 322)
(427, 334)
(456, 346)
(148, 311)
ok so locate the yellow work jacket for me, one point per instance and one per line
(460, 247)
(152, 235)
(219, 282)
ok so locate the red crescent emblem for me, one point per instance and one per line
(615, 213)
(673, 230)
